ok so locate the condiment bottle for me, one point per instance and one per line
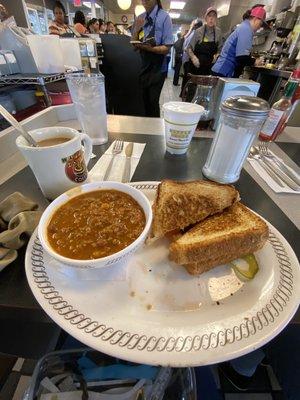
(240, 123)
(279, 113)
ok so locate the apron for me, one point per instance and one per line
(205, 52)
(151, 63)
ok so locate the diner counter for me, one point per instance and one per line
(271, 72)
(271, 81)
(282, 210)
(11, 161)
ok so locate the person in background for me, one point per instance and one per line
(197, 23)
(93, 26)
(205, 44)
(79, 23)
(110, 27)
(58, 26)
(235, 54)
(178, 51)
(102, 26)
(247, 14)
(154, 29)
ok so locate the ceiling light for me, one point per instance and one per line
(124, 4)
(174, 15)
(88, 4)
(177, 5)
(139, 9)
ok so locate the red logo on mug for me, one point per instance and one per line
(75, 167)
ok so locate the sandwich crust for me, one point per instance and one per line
(181, 204)
(220, 239)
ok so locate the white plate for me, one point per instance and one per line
(152, 311)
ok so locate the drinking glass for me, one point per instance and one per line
(88, 95)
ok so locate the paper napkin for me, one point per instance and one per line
(98, 171)
(256, 165)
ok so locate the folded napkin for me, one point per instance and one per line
(98, 171)
(18, 220)
(256, 165)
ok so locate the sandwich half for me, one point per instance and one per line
(181, 204)
(220, 239)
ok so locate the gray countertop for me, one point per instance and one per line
(118, 124)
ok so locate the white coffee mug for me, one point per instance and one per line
(60, 167)
(180, 119)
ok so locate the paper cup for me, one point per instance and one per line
(180, 119)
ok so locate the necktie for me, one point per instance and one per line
(149, 21)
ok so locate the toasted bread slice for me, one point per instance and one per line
(180, 204)
(174, 235)
(220, 239)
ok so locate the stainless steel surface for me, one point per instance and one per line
(274, 72)
(264, 149)
(285, 19)
(18, 126)
(127, 168)
(256, 155)
(30, 79)
(249, 106)
(117, 149)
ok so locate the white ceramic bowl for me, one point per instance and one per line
(104, 261)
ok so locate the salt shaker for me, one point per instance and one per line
(241, 121)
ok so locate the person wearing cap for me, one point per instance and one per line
(205, 44)
(235, 54)
(197, 23)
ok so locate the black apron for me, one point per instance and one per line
(205, 52)
(151, 63)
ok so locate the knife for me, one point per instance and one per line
(288, 181)
(127, 168)
(290, 173)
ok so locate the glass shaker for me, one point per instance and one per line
(241, 121)
(203, 97)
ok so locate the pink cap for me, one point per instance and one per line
(211, 9)
(258, 12)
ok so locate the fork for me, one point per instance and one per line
(263, 148)
(117, 149)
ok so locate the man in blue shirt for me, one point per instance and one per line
(154, 30)
(235, 54)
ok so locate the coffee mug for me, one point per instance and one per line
(57, 167)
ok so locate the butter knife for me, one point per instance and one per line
(287, 180)
(290, 173)
(127, 168)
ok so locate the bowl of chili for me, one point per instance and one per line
(96, 225)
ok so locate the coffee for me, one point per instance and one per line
(53, 141)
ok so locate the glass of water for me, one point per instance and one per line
(88, 95)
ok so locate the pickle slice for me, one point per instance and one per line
(245, 266)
